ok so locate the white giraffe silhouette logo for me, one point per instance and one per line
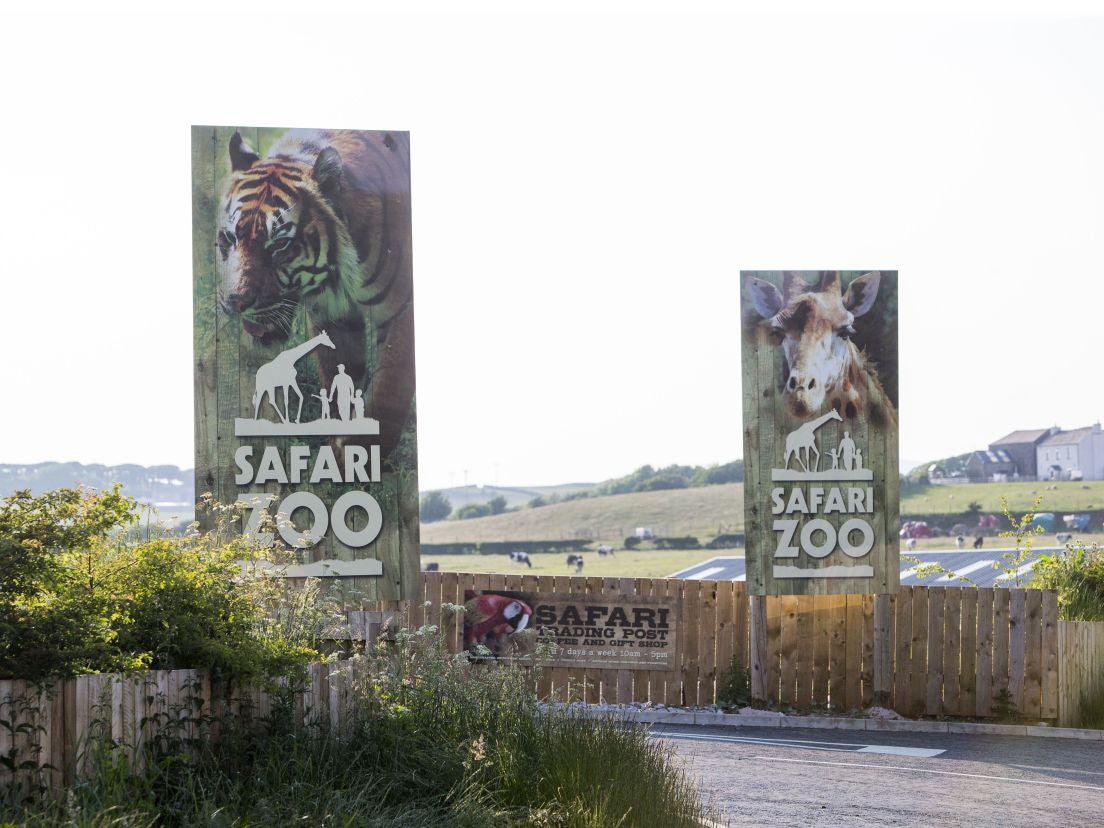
(279, 374)
(803, 438)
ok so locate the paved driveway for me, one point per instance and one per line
(977, 566)
(770, 776)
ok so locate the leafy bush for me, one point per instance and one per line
(77, 595)
(1078, 576)
(631, 542)
(734, 686)
(434, 507)
(472, 510)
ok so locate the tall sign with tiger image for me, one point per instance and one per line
(821, 492)
(304, 347)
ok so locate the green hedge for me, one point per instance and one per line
(727, 541)
(450, 549)
(687, 542)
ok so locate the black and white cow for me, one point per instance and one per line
(575, 561)
(605, 550)
(521, 557)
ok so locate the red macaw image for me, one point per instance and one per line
(491, 620)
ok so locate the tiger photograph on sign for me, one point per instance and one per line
(304, 345)
(820, 431)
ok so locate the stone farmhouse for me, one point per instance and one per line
(1012, 457)
(1041, 454)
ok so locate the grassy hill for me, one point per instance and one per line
(705, 512)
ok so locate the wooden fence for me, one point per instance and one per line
(955, 651)
(1080, 671)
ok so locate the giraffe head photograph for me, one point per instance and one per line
(835, 331)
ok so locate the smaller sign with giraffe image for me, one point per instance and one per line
(821, 498)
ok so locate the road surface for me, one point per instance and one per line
(807, 777)
(977, 566)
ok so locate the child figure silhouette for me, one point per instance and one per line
(322, 395)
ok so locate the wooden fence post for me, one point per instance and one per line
(757, 623)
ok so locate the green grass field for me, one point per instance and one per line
(624, 564)
(707, 511)
(1061, 497)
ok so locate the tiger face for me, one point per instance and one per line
(277, 239)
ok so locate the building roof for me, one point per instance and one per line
(1030, 435)
(1068, 438)
(994, 457)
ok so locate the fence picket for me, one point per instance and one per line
(967, 672)
(983, 658)
(933, 704)
(1033, 656)
(902, 658)
(788, 649)
(822, 635)
(1050, 655)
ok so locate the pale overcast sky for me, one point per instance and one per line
(587, 189)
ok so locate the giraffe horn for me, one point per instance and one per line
(793, 285)
(829, 281)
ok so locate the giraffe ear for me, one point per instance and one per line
(765, 297)
(862, 292)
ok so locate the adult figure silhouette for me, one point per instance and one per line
(342, 389)
(847, 452)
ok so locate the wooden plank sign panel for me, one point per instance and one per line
(821, 490)
(304, 346)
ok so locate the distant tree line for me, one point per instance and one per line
(650, 479)
(435, 506)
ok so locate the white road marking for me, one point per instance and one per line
(966, 570)
(705, 573)
(1023, 570)
(908, 573)
(931, 770)
(804, 744)
(682, 572)
(894, 750)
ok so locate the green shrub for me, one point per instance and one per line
(79, 594)
(631, 542)
(734, 686)
(1078, 576)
